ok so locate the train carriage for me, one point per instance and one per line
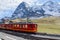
(24, 27)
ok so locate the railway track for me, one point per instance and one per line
(37, 36)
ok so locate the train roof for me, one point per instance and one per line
(21, 23)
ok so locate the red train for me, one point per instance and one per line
(24, 27)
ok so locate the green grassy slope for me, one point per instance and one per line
(48, 25)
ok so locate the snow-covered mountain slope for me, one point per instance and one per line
(51, 7)
(24, 10)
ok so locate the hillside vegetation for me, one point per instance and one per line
(49, 25)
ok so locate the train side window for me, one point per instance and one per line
(14, 25)
(21, 26)
(26, 26)
(36, 25)
(17, 25)
(10, 25)
(3, 25)
(31, 26)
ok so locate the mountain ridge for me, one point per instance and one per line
(28, 11)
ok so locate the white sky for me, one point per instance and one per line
(12, 3)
